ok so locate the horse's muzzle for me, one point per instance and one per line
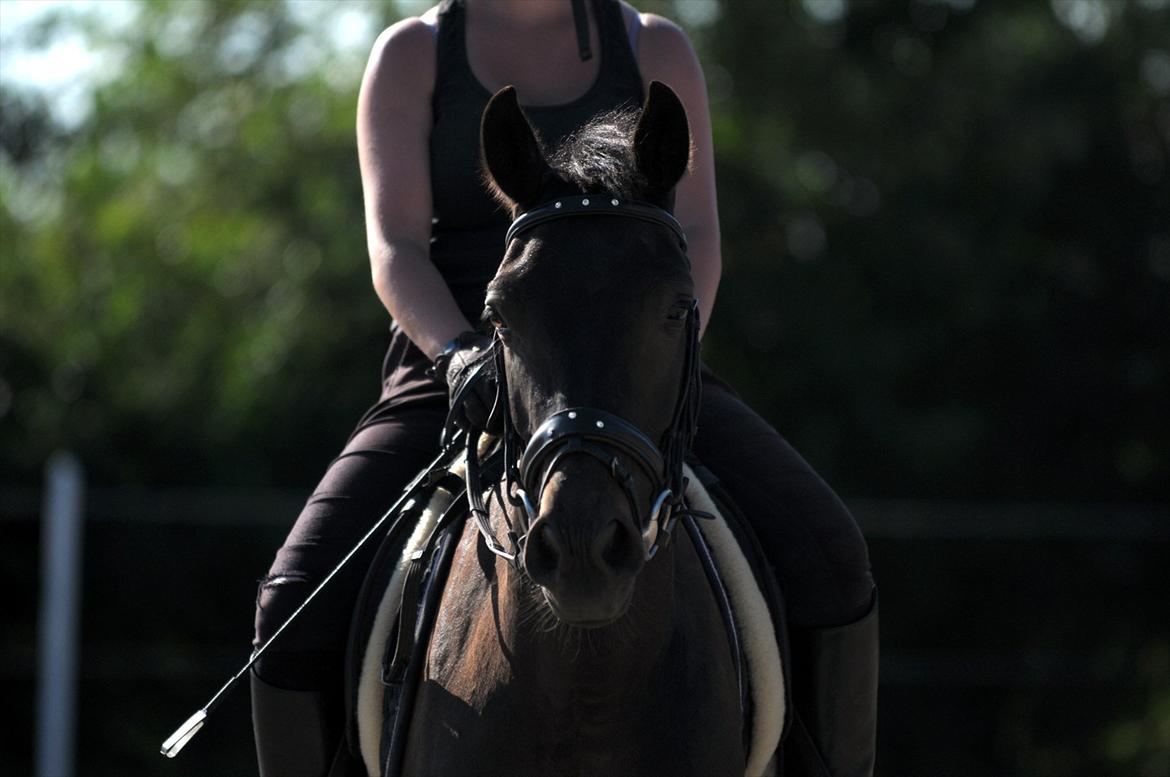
(587, 583)
(580, 617)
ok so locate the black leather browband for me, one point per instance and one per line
(595, 205)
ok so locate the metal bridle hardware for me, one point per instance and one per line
(603, 436)
(591, 431)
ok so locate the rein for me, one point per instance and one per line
(609, 439)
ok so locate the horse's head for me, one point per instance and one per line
(593, 306)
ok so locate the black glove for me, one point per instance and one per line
(467, 364)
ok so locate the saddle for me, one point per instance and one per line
(396, 607)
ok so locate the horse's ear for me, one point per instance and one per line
(662, 141)
(511, 153)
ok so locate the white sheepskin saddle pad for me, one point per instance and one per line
(757, 635)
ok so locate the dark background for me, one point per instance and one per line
(947, 282)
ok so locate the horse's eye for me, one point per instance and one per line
(679, 310)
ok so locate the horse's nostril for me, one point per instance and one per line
(620, 549)
(542, 552)
(611, 543)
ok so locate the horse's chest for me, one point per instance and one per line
(510, 741)
(509, 730)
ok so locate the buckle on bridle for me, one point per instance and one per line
(650, 544)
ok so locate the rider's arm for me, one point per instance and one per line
(393, 136)
(665, 54)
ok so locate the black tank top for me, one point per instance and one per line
(468, 229)
(468, 226)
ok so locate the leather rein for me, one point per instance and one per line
(620, 446)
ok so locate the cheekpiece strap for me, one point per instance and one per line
(595, 205)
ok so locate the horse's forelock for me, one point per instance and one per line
(599, 157)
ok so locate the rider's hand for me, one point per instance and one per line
(471, 385)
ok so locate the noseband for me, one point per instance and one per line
(607, 438)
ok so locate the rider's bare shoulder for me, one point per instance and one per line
(665, 54)
(404, 54)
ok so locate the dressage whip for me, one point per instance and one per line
(429, 475)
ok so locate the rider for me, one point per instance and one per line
(435, 238)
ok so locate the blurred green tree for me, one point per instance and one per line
(185, 298)
(947, 241)
(947, 251)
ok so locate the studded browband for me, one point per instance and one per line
(595, 205)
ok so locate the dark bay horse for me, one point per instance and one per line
(599, 650)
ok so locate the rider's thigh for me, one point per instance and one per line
(810, 537)
(383, 455)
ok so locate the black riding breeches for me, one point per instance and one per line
(808, 535)
(385, 452)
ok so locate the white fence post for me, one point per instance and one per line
(57, 632)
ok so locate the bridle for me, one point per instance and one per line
(603, 436)
(596, 205)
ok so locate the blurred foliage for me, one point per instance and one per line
(184, 284)
(946, 244)
(947, 239)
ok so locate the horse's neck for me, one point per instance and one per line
(509, 685)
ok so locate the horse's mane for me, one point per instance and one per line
(598, 157)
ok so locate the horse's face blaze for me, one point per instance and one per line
(590, 308)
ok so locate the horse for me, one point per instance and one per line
(577, 631)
